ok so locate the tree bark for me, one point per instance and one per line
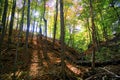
(55, 23)
(62, 39)
(93, 34)
(33, 29)
(28, 25)
(45, 23)
(22, 20)
(11, 23)
(17, 20)
(3, 22)
(7, 22)
(1, 8)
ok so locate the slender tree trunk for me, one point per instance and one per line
(45, 23)
(40, 29)
(62, 39)
(17, 21)
(11, 23)
(7, 22)
(1, 8)
(36, 27)
(69, 41)
(88, 28)
(93, 34)
(73, 33)
(22, 20)
(55, 23)
(3, 22)
(28, 25)
(33, 29)
(19, 37)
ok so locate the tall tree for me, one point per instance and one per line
(22, 19)
(11, 22)
(45, 23)
(62, 37)
(33, 29)
(1, 7)
(28, 25)
(3, 22)
(55, 22)
(7, 22)
(93, 33)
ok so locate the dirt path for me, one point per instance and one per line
(35, 67)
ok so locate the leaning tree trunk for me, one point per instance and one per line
(62, 37)
(93, 34)
(11, 23)
(55, 23)
(3, 22)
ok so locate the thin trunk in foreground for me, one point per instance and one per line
(62, 39)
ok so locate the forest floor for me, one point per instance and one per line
(33, 66)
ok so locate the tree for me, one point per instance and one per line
(1, 7)
(93, 34)
(22, 19)
(33, 29)
(28, 25)
(11, 22)
(3, 22)
(62, 37)
(55, 23)
(45, 23)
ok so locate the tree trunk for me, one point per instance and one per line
(33, 29)
(89, 30)
(55, 23)
(17, 21)
(1, 8)
(62, 39)
(22, 20)
(40, 29)
(11, 23)
(7, 22)
(28, 25)
(45, 23)
(3, 22)
(93, 34)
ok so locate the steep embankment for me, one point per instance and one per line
(33, 65)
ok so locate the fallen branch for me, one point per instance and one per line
(116, 76)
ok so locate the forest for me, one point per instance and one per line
(59, 39)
